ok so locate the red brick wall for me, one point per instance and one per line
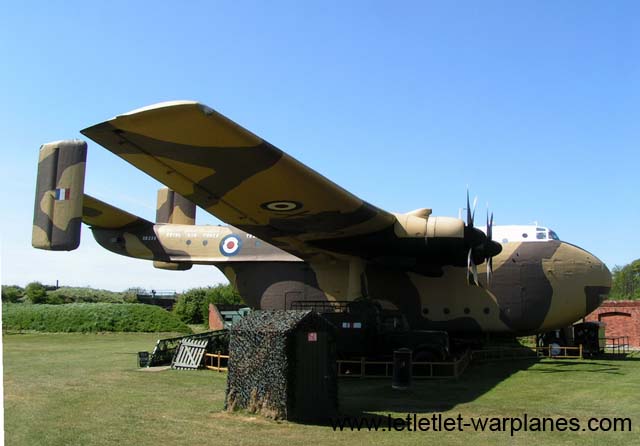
(622, 318)
(215, 319)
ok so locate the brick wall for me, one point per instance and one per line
(215, 319)
(622, 318)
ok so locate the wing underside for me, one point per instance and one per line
(238, 177)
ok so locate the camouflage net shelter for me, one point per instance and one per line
(282, 365)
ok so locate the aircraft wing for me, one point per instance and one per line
(238, 177)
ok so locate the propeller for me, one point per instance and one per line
(472, 269)
(481, 246)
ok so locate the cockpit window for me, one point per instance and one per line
(541, 235)
(553, 235)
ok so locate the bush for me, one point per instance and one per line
(85, 294)
(192, 306)
(56, 300)
(130, 295)
(36, 293)
(11, 293)
(89, 317)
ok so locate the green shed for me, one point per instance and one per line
(283, 364)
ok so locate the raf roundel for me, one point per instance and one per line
(281, 206)
(230, 245)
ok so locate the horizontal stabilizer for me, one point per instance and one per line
(101, 215)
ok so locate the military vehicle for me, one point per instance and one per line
(294, 235)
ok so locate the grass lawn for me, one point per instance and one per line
(85, 389)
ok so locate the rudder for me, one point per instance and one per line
(174, 208)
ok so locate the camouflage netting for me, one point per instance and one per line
(261, 377)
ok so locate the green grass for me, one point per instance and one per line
(88, 317)
(85, 389)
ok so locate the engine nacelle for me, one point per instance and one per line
(172, 266)
(445, 227)
(420, 223)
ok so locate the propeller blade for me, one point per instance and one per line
(472, 270)
(469, 260)
(473, 212)
(490, 227)
(469, 216)
(489, 270)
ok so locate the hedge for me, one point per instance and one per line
(90, 317)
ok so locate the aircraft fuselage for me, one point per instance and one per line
(536, 286)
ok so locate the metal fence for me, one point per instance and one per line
(363, 368)
(499, 354)
(617, 345)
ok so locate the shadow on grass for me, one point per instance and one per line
(361, 398)
(572, 366)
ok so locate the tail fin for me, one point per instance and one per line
(174, 208)
(59, 193)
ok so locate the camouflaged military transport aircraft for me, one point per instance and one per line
(296, 236)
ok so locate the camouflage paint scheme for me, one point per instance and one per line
(56, 219)
(294, 235)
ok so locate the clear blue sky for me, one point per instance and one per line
(534, 105)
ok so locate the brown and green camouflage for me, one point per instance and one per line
(59, 189)
(293, 235)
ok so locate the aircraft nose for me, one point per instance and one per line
(596, 277)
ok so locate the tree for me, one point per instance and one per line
(626, 281)
(188, 307)
(220, 294)
(192, 306)
(130, 295)
(36, 293)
